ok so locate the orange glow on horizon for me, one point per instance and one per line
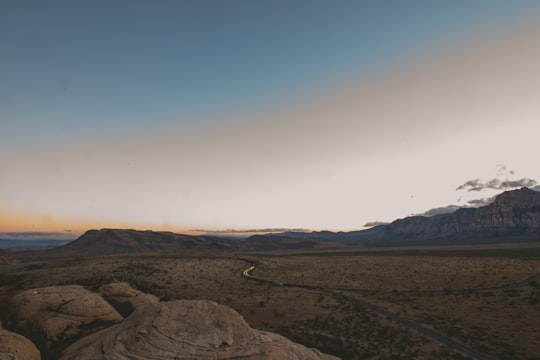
(32, 222)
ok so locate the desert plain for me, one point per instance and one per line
(486, 297)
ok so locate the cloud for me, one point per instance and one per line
(441, 210)
(375, 223)
(496, 184)
(518, 183)
(481, 202)
(502, 169)
(472, 185)
(250, 231)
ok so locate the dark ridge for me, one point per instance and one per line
(514, 216)
(124, 241)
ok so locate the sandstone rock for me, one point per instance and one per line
(124, 298)
(186, 329)
(56, 316)
(17, 347)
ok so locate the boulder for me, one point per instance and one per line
(17, 347)
(56, 316)
(186, 329)
(124, 298)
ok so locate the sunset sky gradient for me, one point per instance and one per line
(181, 115)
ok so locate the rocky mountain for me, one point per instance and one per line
(123, 241)
(262, 243)
(512, 216)
(120, 241)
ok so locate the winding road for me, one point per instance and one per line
(433, 334)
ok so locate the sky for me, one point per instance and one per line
(183, 115)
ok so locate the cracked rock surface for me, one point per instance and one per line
(186, 329)
(56, 316)
(124, 298)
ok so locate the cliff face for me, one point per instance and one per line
(516, 211)
(519, 209)
(513, 216)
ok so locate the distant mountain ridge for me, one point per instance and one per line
(126, 241)
(13, 244)
(122, 241)
(514, 212)
(512, 216)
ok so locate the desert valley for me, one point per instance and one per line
(462, 285)
(303, 180)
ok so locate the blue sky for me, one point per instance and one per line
(72, 67)
(78, 77)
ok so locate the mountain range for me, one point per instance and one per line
(127, 241)
(514, 216)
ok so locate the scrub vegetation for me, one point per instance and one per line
(420, 287)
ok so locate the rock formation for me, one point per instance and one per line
(124, 298)
(514, 212)
(512, 216)
(117, 241)
(69, 322)
(186, 329)
(125, 241)
(58, 315)
(16, 347)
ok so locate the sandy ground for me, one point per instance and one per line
(503, 323)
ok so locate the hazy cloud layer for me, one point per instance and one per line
(375, 223)
(28, 235)
(496, 184)
(480, 202)
(441, 210)
(249, 231)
